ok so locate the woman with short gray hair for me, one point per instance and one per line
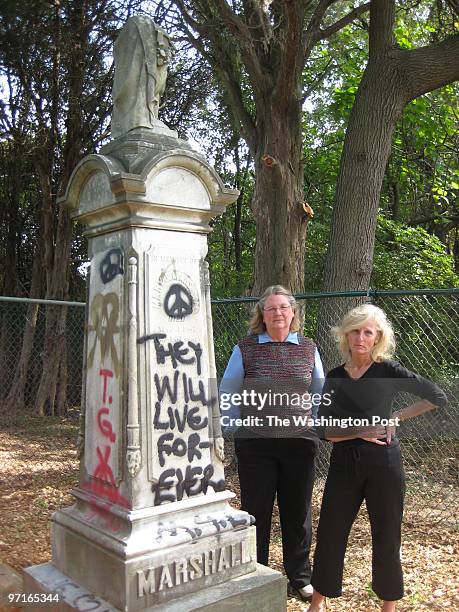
(275, 456)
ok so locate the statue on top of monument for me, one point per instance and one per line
(142, 53)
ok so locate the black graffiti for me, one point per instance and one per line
(111, 265)
(186, 483)
(200, 396)
(219, 524)
(163, 386)
(91, 600)
(189, 417)
(178, 302)
(173, 531)
(237, 522)
(180, 448)
(176, 351)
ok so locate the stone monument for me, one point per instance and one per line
(152, 528)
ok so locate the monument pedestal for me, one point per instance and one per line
(263, 589)
(150, 555)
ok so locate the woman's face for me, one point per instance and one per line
(362, 340)
(277, 314)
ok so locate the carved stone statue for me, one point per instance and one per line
(142, 53)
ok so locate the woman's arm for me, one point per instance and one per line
(340, 434)
(410, 382)
(414, 410)
(231, 383)
(406, 381)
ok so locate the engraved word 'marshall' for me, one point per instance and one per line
(184, 570)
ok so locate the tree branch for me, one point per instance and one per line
(341, 23)
(229, 80)
(382, 20)
(242, 35)
(222, 64)
(235, 24)
(317, 16)
(257, 19)
(429, 68)
(291, 60)
(319, 78)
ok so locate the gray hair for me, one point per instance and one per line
(256, 323)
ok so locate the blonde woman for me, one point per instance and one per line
(365, 463)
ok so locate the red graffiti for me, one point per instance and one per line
(108, 492)
(107, 495)
(103, 483)
(105, 426)
(106, 375)
(103, 470)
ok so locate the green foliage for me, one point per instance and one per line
(410, 258)
(405, 258)
(227, 280)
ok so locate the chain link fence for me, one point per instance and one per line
(22, 338)
(426, 324)
(427, 329)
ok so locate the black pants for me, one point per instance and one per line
(362, 471)
(284, 466)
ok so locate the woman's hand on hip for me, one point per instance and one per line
(375, 441)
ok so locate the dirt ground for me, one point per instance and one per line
(38, 467)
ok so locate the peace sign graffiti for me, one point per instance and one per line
(178, 302)
(111, 265)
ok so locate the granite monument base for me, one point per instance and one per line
(263, 589)
(149, 557)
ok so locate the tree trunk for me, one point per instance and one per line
(56, 318)
(367, 145)
(363, 162)
(395, 200)
(15, 398)
(11, 188)
(61, 403)
(393, 77)
(238, 213)
(456, 250)
(277, 202)
(57, 266)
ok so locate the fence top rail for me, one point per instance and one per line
(39, 301)
(372, 293)
(301, 296)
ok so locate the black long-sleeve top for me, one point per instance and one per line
(372, 394)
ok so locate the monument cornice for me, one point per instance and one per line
(105, 197)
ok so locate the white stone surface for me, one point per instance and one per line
(187, 189)
(178, 362)
(96, 192)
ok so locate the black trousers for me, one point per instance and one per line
(360, 471)
(284, 466)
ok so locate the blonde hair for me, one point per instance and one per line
(256, 323)
(357, 318)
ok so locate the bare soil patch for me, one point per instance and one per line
(39, 466)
